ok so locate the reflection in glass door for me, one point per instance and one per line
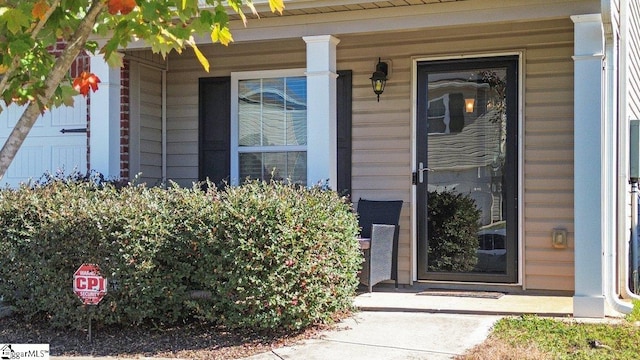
(467, 170)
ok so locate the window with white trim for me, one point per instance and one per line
(269, 126)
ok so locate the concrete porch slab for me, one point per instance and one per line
(403, 301)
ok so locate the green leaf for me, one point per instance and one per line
(66, 94)
(221, 16)
(115, 59)
(159, 44)
(91, 46)
(20, 46)
(16, 20)
(110, 46)
(200, 25)
(149, 10)
(206, 17)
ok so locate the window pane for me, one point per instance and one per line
(297, 111)
(273, 126)
(297, 167)
(275, 165)
(249, 130)
(250, 166)
(281, 166)
(273, 94)
(296, 88)
(249, 91)
(297, 128)
(249, 113)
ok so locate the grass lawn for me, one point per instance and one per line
(532, 337)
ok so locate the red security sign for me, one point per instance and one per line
(89, 285)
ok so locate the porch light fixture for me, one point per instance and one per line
(469, 104)
(379, 78)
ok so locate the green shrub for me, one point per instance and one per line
(452, 225)
(52, 230)
(286, 257)
(270, 255)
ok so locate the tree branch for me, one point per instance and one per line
(34, 33)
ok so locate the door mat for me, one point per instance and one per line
(462, 293)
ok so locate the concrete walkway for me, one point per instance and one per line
(392, 335)
(407, 324)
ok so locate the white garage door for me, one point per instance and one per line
(50, 146)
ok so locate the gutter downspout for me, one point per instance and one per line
(611, 102)
(634, 241)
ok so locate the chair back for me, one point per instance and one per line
(377, 212)
(381, 261)
(383, 212)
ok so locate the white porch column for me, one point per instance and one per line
(104, 137)
(589, 147)
(321, 109)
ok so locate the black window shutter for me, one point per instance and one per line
(214, 137)
(343, 129)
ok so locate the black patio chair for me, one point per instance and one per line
(380, 212)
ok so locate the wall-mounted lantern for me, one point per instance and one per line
(379, 78)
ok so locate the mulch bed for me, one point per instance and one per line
(188, 341)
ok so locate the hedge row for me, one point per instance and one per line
(270, 255)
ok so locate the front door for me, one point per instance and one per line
(466, 179)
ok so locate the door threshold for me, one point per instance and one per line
(514, 289)
(476, 286)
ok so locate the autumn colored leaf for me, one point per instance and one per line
(121, 6)
(276, 5)
(203, 59)
(223, 35)
(40, 9)
(85, 82)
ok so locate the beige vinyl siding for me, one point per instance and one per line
(146, 123)
(548, 162)
(382, 132)
(146, 57)
(548, 157)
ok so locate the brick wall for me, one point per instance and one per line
(80, 64)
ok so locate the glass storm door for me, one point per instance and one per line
(466, 181)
